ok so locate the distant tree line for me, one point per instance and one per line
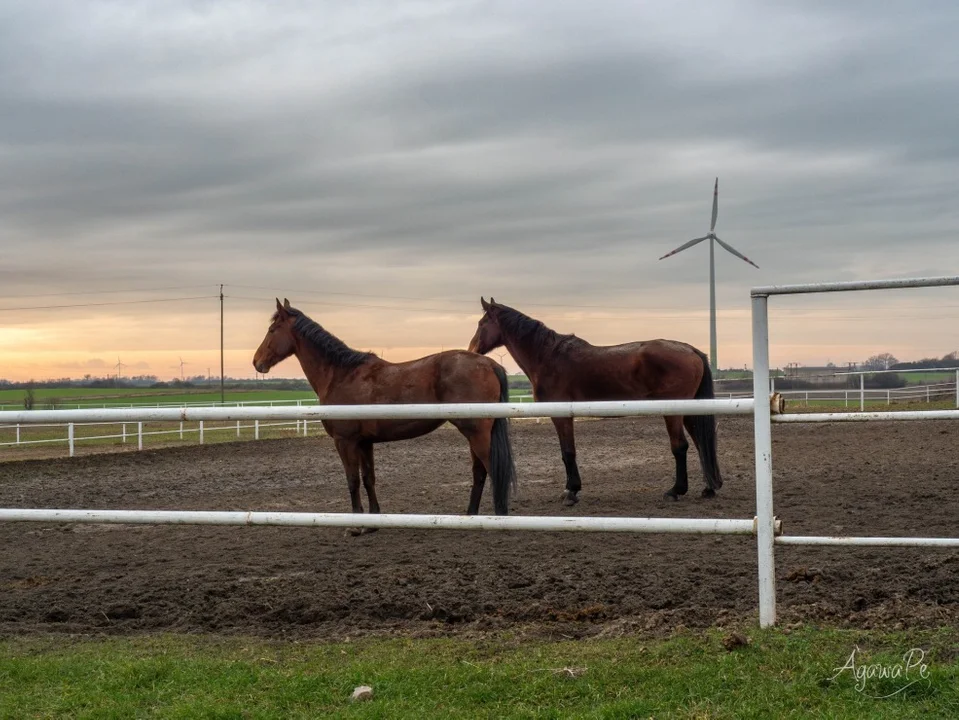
(200, 383)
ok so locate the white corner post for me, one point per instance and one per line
(762, 425)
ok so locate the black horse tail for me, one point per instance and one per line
(502, 469)
(703, 430)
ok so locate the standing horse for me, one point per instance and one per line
(342, 376)
(566, 368)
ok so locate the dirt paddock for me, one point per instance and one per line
(863, 479)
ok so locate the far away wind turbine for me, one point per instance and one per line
(712, 271)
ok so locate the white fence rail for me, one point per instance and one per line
(71, 438)
(765, 526)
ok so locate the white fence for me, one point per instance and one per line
(766, 534)
(765, 526)
(138, 433)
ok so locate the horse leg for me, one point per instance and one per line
(567, 445)
(479, 452)
(708, 492)
(479, 481)
(679, 445)
(369, 479)
(350, 456)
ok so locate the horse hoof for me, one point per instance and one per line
(354, 532)
(570, 499)
(709, 493)
(671, 495)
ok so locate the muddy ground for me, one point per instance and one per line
(865, 479)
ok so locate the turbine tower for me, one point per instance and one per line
(711, 236)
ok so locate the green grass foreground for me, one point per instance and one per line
(775, 675)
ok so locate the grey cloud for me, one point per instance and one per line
(559, 154)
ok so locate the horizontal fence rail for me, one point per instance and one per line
(698, 526)
(867, 541)
(894, 284)
(867, 416)
(448, 411)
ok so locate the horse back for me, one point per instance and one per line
(453, 376)
(647, 369)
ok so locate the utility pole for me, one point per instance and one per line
(222, 393)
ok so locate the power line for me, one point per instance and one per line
(104, 292)
(433, 299)
(101, 304)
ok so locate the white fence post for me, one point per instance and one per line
(238, 428)
(181, 429)
(201, 432)
(124, 433)
(70, 437)
(18, 424)
(762, 428)
(862, 392)
(139, 436)
(256, 429)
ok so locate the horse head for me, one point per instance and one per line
(279, 342)
(488, 335)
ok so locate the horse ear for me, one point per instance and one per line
(279, 307)
(491, 300)
(286, 303)
(484, 303)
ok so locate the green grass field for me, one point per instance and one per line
(691, 675)
(125, 397)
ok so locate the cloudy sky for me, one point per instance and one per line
(383, 164)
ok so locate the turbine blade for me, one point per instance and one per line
(735, 252)
(684, 246)
(712, 225)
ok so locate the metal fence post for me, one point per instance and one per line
(139, 436)
(862, 392)
(256, 429)
(201, 432)
(70, 437)
(765, 520)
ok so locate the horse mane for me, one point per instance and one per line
(525, 329)
(335, 351)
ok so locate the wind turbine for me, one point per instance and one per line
(119, 366)
(181, 368)
(711, 236)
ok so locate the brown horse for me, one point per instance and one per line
(342, 376)
(566, 368)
